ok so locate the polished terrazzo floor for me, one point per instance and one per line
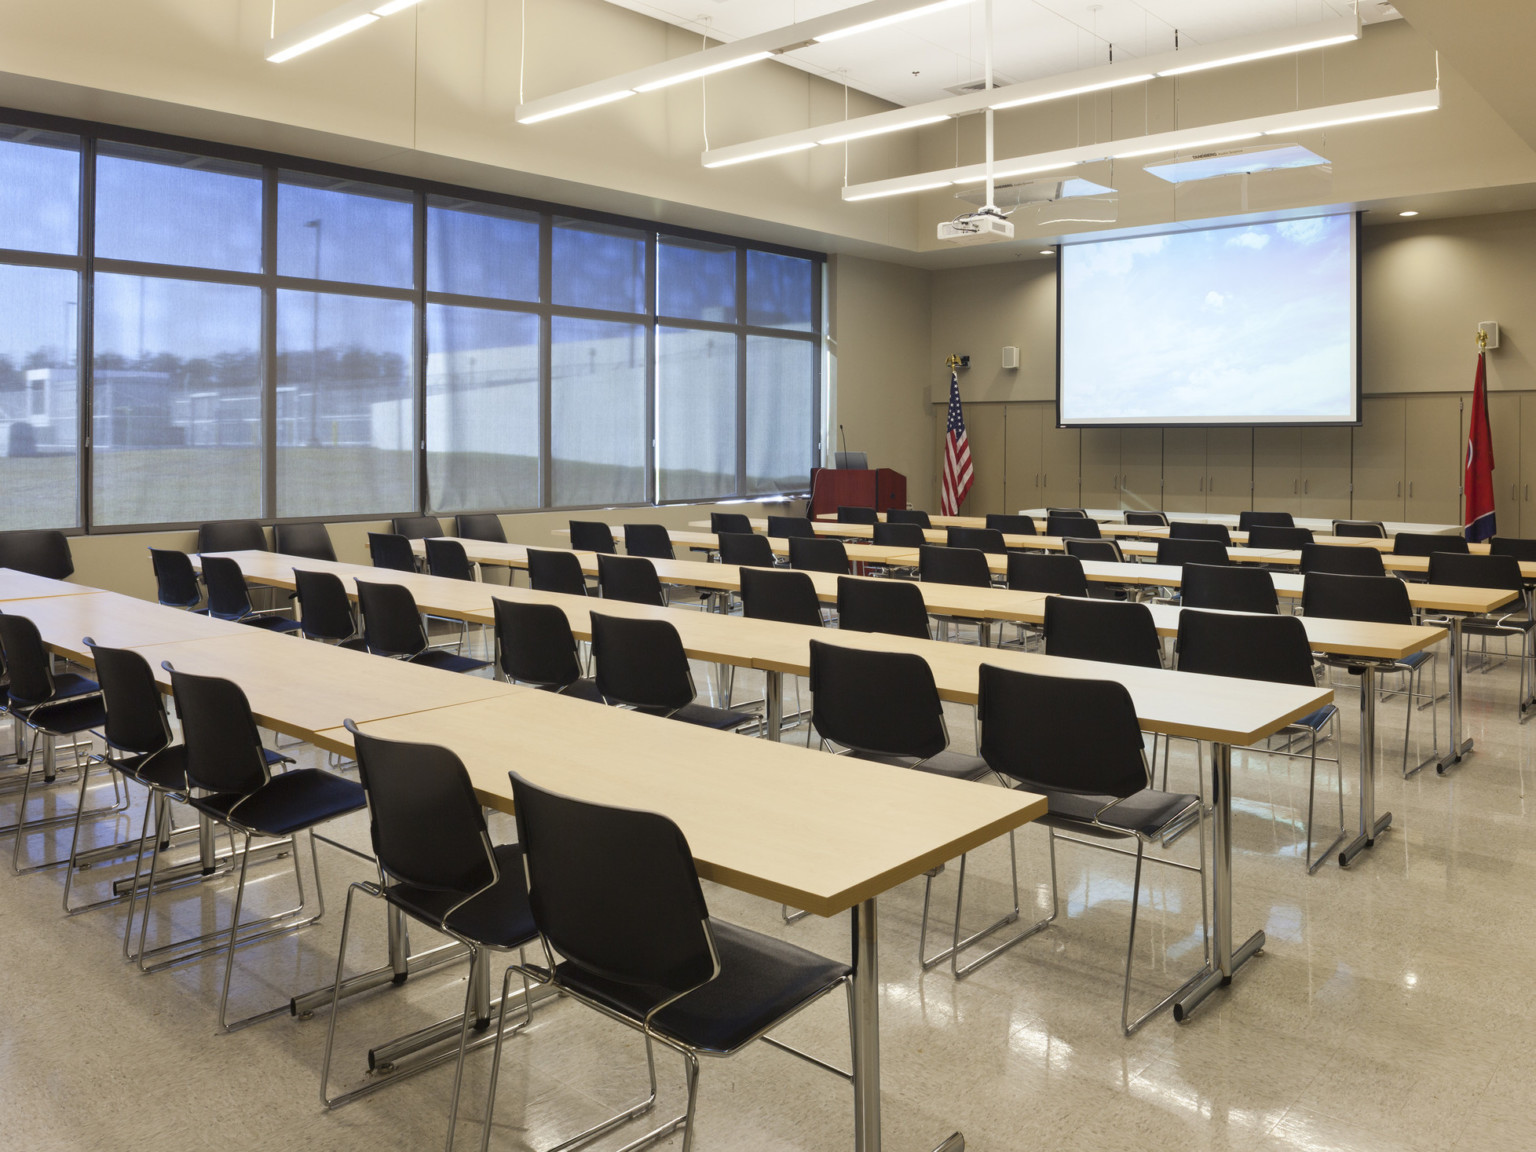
(1391, 1008)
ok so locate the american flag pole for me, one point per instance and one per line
(957, 478)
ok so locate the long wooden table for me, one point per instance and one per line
(858, 553)
(16, 585)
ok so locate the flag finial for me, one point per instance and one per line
(1482, 340)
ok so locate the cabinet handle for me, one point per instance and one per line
(1399, 487)
(1037, 479)
(1201, 488)
(1410, 489)
(1294, 484)
(1047, 476)
(1211, 485)
(1306, 486)
(1527, 491)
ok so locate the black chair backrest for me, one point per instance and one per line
(1276, 536)
(954, 566)
(556, 571)
(1228, 587)
(651, 540)
(1103, 550)
(391, 623)
(480, 526)
(1426, 544)
(1148, 519)
(26, 661)
(228, 598)
(1270, 648)
(1114, 631)
(882, 702)
(424, 821)
(729, 522)
(1490, 571)
(641, 663)
(982, 539)
(1179, 552)
(1373, 528)
(633, 913)
(392, 551)
(1247, 521)
(900, 535)
(788, 527)
(778, 594)
(1376, 599)
(325, 612)
(136, 721)
(223, 747)
(1054, 572)
(908, 516)
(873, 605)
(1061, 733)
(232, 536)
(1184, 530)
(1342, 559)
(1073, 527)
(1013, 525)
(535, 644)
(745, 548)
(631, 578)
(447, 558)
(175, 579)
(41, 551)
(592, 536)
(846, 515)
(416, 527)
(1520, 549)
(1080, 513)
(814, 555)
(311, 541)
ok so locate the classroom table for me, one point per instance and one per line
(17, 585)
(1231, 520)
(857, 553)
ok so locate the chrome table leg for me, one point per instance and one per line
(1459, 747)
(1370, 825)
(773, 693)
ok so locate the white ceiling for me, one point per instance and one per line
(918, 60)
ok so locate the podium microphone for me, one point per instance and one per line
(844, 435)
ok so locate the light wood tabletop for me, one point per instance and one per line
(115, 621)
(858, 553)
(16, 585)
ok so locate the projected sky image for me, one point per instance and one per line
(1250, 324)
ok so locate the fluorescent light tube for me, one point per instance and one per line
(1263, 54)
(698, 73)
(883, 130)
(580, 106)
(1313, 127)
(762, 155)
(904, 190)
(1189, 147)
(335, 32)
(1008, 173)
(886, 21)
(1137, 79)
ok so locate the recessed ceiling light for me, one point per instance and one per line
(1047, 251)
(1410, 212)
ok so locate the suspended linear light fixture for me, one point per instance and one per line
(332, 25)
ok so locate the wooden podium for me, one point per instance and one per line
(877, 488)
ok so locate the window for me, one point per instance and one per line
(39, 398)
(780, 414)
(175, 208)
(598, 437)
(39, 190)
(344, 230)
(696, 413)
(696, 280)
(482, 250)
(779, 291)
(598, 266)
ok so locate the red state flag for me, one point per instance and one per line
(1477, 483)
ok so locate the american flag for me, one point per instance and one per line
(957, 455)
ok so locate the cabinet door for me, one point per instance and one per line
(1527, 464)
(1184, 469)
(1380, 487)
(1021, 455)
(1433, 459)
(1504, 418)
(1060, 460)
(1228, 469)
(1277, 470)
(1325, 473)
(1100, 471)
(1141, 468)
(984, 430)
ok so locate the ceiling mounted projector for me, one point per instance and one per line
(984, 227)
(1209, 164)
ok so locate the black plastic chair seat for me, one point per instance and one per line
(954, 765)
(761, 981)
(1145, 813)
(164, 769)
(67, 684)
(706, 717)
(68, 716)
(1315, 720)
(498, 916)
(273, 623)
(1491, 626)
(449, 661)
(287, 803)
(583, 689)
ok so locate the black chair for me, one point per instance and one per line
(1373, 528)
(1078, 743)
(1521, 549)
(1378, 599)
(1341, 560)
(1079, 513)
(1012, 525)
(630, 578)
(438, 866)
(1055, 572)
(480, 526)
(311, 541)
(1276, 536)
(391, 551)
(981, 539)
(1247, 521)
(41, 552)
(325, 610)
(447, 558)
(1113, 631)
(846, 515)
(638, 944)
(592, 536)
(641, 664)
(1147, 519)
(894, 607)
(909, 516)
(786, 596)
(1181, 552)
(556, 571)
(1229, 588)
(392, 627)
(729, 522)
(176, 583)
(228, 598)
(746, 549)
(1103, 551)
(1498, 572)
(952, 565)
(232, 536)
(788, 527)
(416, 527)
(650, 540)
(234, 786)
(1073, 528)
(535, 645)
(1272, 648)
(814, 555)
(1183, 530)
(1427, 544)
(900, 535)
